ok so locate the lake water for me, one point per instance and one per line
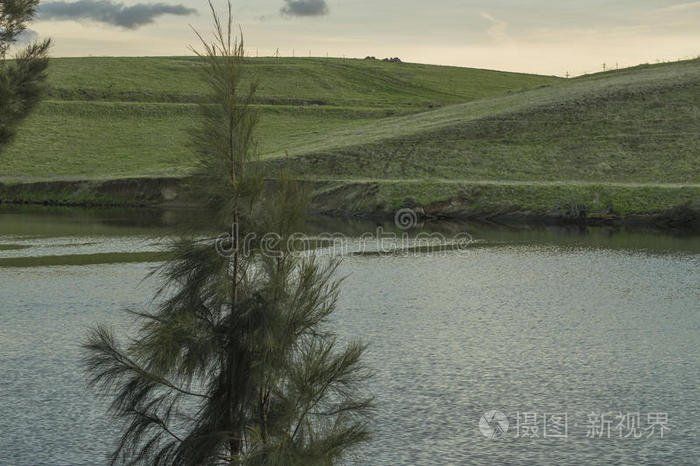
(575, 326)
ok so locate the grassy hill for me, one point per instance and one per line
(357, 83)
(117, 117)
(637, 126)
(382, 135)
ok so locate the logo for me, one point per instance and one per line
(493, 425)
(406, 219)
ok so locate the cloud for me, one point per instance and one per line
(676, 8)
(107, 12)
(305, 8)
(498, 29)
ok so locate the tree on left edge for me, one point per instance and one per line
(22, 75)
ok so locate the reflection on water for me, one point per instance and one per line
(29, 232)
(543, 320)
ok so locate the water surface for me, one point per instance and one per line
(541, 320)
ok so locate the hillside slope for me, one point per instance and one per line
(118, 117)
(640, 126)
(295, 81)
(372, 137)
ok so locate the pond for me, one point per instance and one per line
(584, 341)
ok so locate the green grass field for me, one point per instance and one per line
(118, 117)
(418, 131)
(638, 126)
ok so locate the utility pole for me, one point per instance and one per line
(567, 75)
(603, 67)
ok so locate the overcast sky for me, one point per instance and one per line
(549, 37)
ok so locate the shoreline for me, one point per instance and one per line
(665, 207)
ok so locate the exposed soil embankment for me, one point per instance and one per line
(665, 207)
(95, 193)
(671, 207)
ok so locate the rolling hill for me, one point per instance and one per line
(636, 126)
(378, 136)
(118, 117)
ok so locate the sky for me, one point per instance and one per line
(532, 36)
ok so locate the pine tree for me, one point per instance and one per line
(22, 79)
(238, 363)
